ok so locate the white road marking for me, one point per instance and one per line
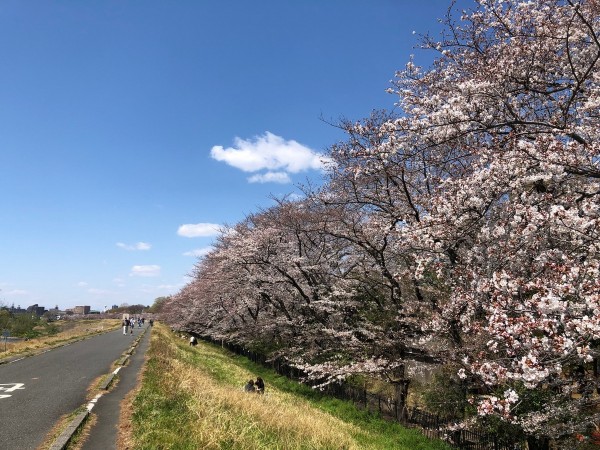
(13, 387)
(93, 402)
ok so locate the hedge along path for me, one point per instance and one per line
(193, 398)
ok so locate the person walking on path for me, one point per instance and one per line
(125, 326)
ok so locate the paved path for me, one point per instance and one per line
(103, 435)
(36, 391)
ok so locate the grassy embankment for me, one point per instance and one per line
(192, 398)
(61, 332)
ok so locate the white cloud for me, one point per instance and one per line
(152, 270)
(160, 289)
(82, 284)
(11, 291)
(271, 153)
(17, 292)
(168, 287)
(136, 246)
(270, 177)
(198, 230)
(199, 252)
(95, 291)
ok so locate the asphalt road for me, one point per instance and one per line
(36, 391)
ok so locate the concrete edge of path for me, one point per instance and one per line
(61, 442)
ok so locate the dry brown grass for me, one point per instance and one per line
(219, 414)
(70, 331)
(226, 413)
(192, 398)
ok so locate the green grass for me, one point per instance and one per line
(191, 398)
(161, 412)
(382, 434)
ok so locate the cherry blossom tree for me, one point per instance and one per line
(465, 227)
(512, 104)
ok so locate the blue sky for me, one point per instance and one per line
(130, 130)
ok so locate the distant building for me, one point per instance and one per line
(55, 313)
(81, 310)
(17, 310)
(37, 310)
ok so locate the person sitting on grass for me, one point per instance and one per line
(249, 387)
(260, 385)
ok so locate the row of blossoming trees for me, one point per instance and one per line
(464, 228)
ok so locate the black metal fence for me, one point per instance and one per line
(389, 408)
(431, 425)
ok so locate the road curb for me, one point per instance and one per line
(62, 441)
(104, 386)
(107, 382)
(10, 359)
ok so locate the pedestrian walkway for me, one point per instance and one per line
(103, 435)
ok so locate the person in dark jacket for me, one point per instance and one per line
(260, 385)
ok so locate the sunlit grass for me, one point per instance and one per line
(68, 331)
(192, 398)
